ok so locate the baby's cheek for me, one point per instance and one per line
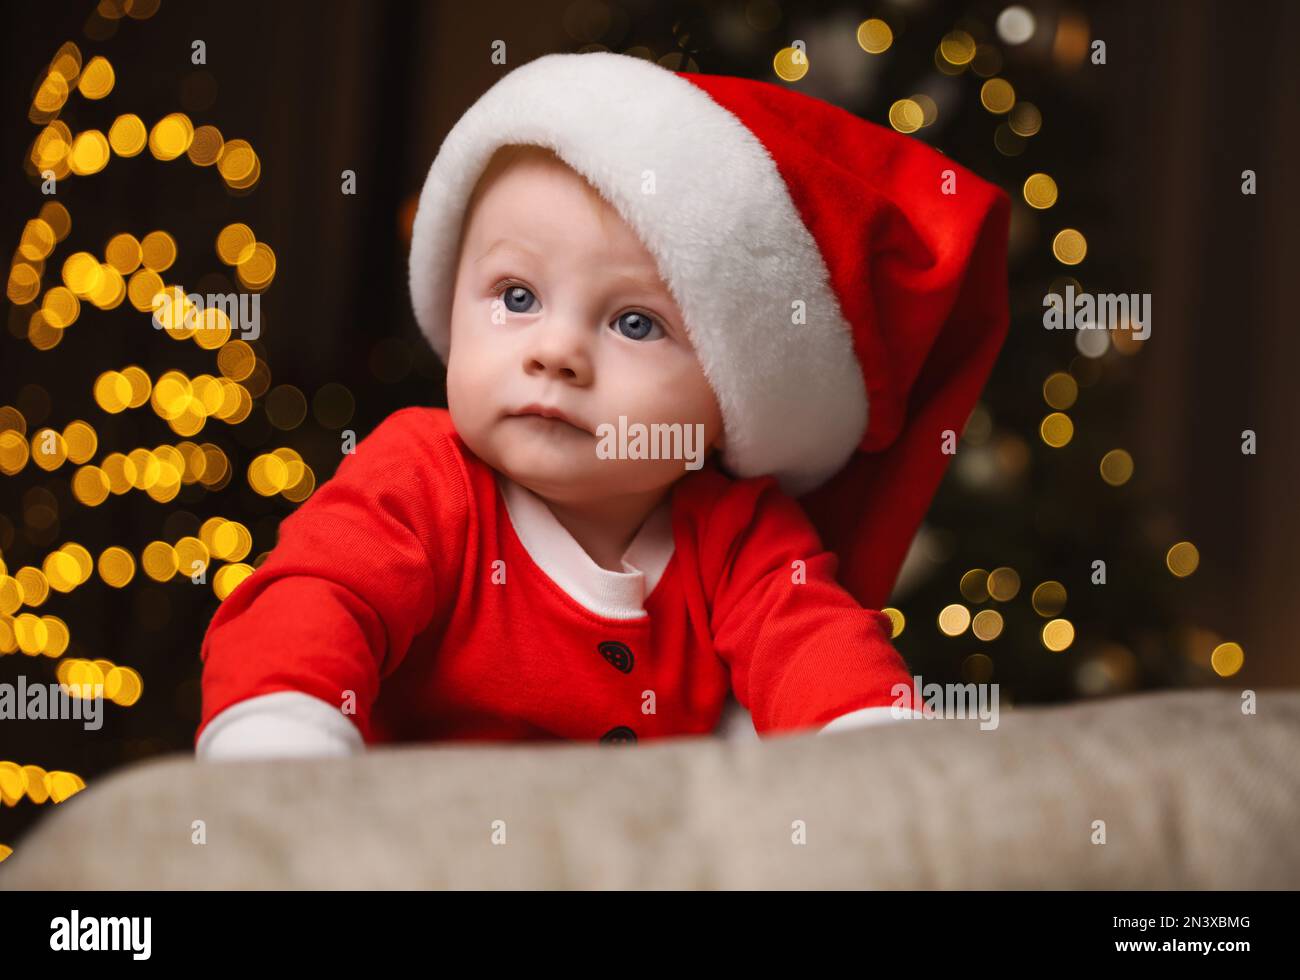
(463, 400)
(687, 398)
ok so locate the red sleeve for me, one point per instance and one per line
(358, 571)
(801, 650)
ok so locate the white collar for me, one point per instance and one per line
(616, 595)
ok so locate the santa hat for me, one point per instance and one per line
(844, 286)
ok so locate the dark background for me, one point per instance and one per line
(1147, 149)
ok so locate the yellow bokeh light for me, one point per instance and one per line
(875, 36)
(267, 475)
(232, 241)
(51, 95)
(36, 587)
(128, 135)
(57, 217)
(14, 452)
(1004, 584)
(974, 585)
(13, 782)
(31, 632)
(1116, 467)
(148, 468)
(116, 567)
(997, 96)
(906, 116)
(192, 556)
(24, 284)
(1048, 598)
(205, 148)
(1056, 429)
(85, 564)
(302, 489)
(1060, 390)
(256, 266)
(1069, 246)
(90, 153)
(1040, 191)
(36, 790)
(90, 486)
(97, 78)
(37, 240)
(790, 64)
(81, 439)
(235, 360)
(56, 636)
(112, 392)
(1183, 559)
(953, 619)
(158, 251)
(159, 561)
(896, 621)
(11, 595)
(67, 62)
(111, 289)
(228, 578)
(944, 65)
(61, 571)
(237, 162)
(1025, 119)
(82, 273)
(123, 253)
(123, 686)
(49, 449)
(1058, 634)
(987, 624)
(1227, 659)
(171, 136)
(957, 48)
(62, 785)
(211, 331)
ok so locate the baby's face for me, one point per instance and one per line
(558, 304)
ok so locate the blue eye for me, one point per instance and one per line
(518, 299)
(637, 326)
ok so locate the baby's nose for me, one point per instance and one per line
(559, 350)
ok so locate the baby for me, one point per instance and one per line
(492, 571)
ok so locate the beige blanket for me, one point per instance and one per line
(1188, 792)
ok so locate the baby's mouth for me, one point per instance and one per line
(542, 422)
(547, 419)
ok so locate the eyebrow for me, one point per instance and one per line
(651, 283)
(501, 243)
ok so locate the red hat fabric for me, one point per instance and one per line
(916, 247)
(844, 285)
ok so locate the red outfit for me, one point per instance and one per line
(387, 583)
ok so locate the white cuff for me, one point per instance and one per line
(283, 724)
(869, 716)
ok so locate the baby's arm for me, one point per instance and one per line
(293, 658)
(803, 653)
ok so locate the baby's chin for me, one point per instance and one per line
(542, 456)
(566, 469)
